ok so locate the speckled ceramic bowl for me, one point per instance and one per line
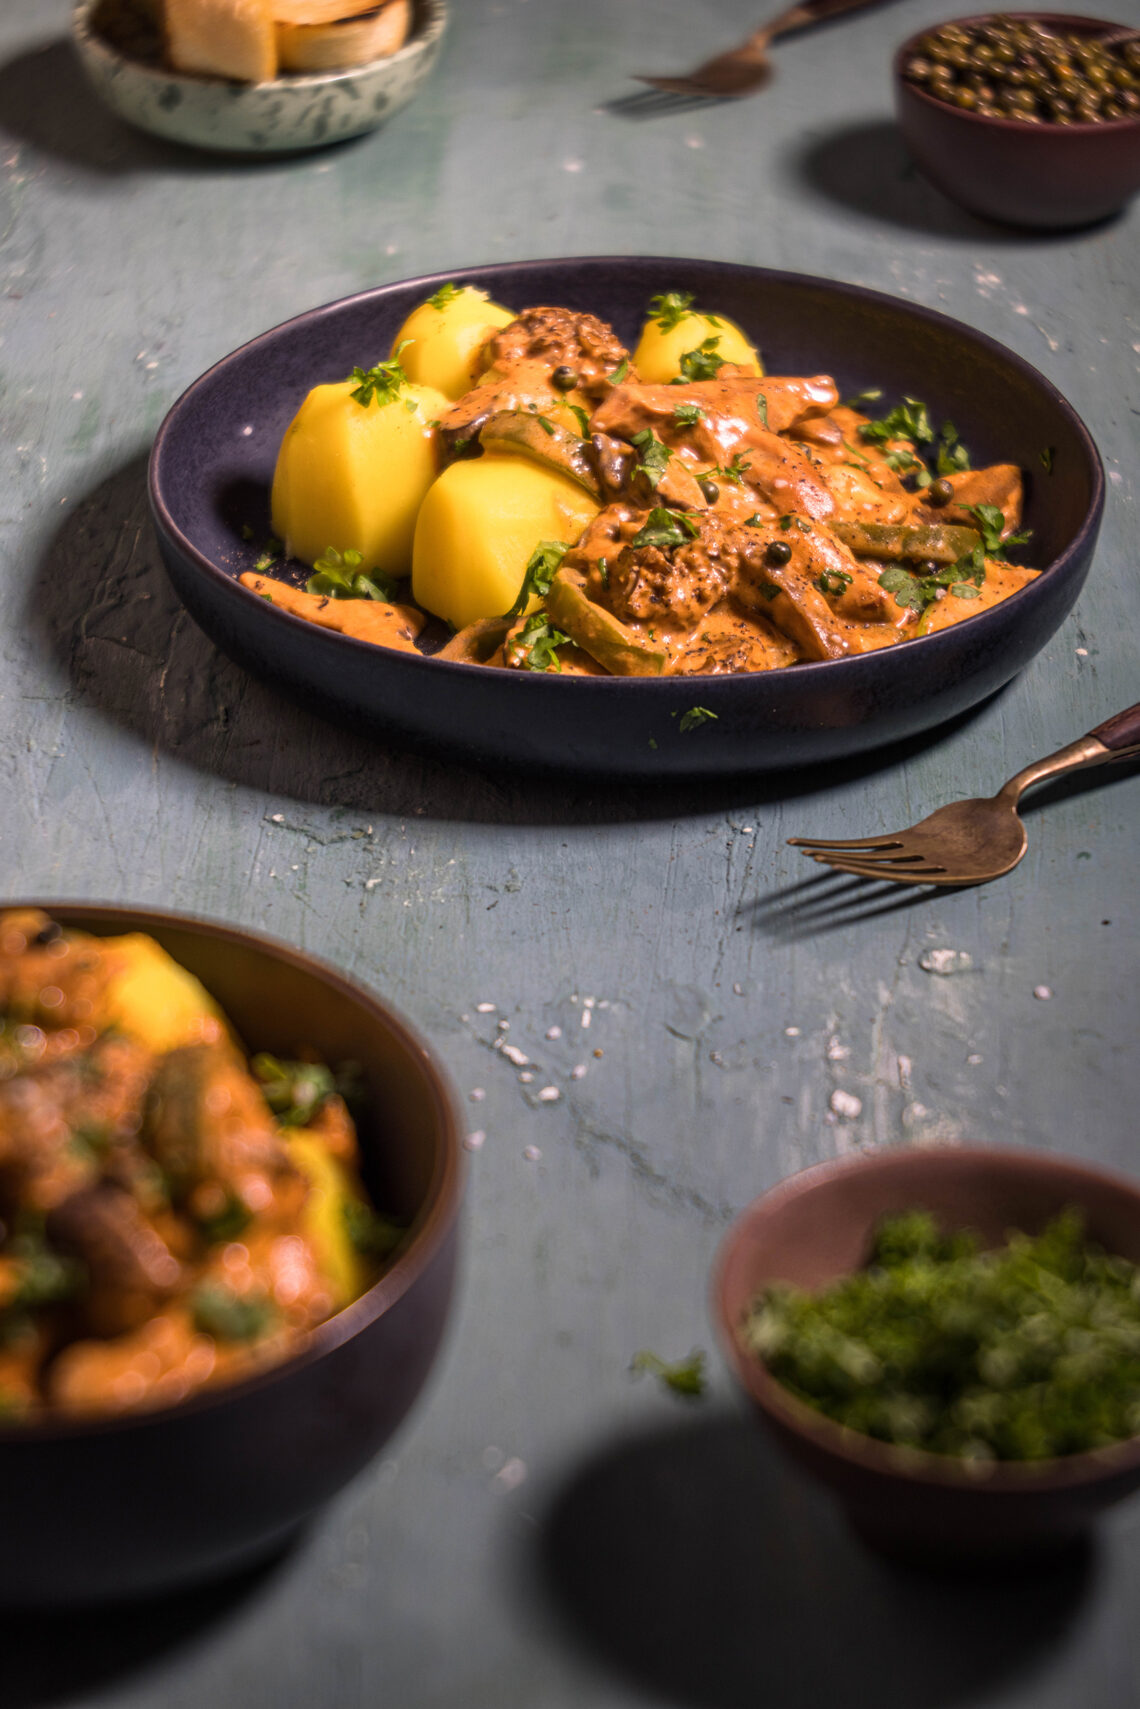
(287, 114)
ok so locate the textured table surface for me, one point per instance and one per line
(547, 1531)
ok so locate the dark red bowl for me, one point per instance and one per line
(818, 1226)
(1043, 176)
(145, 1502)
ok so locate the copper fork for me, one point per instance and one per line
(970, 842)
(746, 68)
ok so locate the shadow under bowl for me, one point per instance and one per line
(284, 115)
(818, 1226)
(1043, 176)
(213, 460)
(143, 1503)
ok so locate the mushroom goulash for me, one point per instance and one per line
(567, 505)
(171, 1215)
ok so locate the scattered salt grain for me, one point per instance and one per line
(549, 1095)
(586, 1017)
(554, 1032)
(846, 1104)
(277, 818)
(945, 961)
(485, 1008)
(474, 1141)
(974, 1060)
(476, 1094)
(512, 1475)
(526, 1077)
(503, 1026)
(904, 1066)
(738, 990)
(837, 1052)
(1082, 652)
(515, 1055)
(791, 1032)
(1042, 993)
(532, 1154)
(578, 1072)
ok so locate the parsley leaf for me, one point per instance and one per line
(833, 581)
(446, 294)
(620, 372)
(541, 569)
(694, 718)
(671, 308)
(294, 1091)
(734, 471)
(684, 1377)
(703, 363)
(991, 521)
(337, 575)
(665, 528)
(872, 396)
(228, 1316)
(1045, 457)
(604, 572)
(542, 641)
(383, 382)
(687, 415)
(908, 420)
(370, 1234)
(952, 454)
(762, 407)
(904, 586)
(654, 453)
(273, 550)
(582, 419)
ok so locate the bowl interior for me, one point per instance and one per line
(215, 457)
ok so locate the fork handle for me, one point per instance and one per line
(798, 17)
(1118, 738)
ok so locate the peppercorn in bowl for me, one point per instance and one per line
(222, 1282)
(1028, 118)
(949, 1339)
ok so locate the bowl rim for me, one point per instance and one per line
(435, 15)
(916, 1466)
(1018, 127)
(433, 1223)
(230, 587)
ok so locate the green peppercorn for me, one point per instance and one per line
(710, 490)
(777, 552)
(564, 379)
(940, 492)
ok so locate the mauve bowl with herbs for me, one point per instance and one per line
(945, 1436)
(1028, 118)
(102, 1506)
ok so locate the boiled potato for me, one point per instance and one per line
(153, 999)
(478, 527)
(660, 349)
(441, 339)
(325, 1223)
(353, 475)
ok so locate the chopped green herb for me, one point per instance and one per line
(620, 372)
(446, 294)
(734, 471)
(762, 407)
(703, 363)
(372, 1235)
(833, 581)
(338, 575)
(1045, 457)
(383, 382)
(603, 572)
(908, 420)
(246, 531)
(665, 528)
(652, 743)
(991, 522)
(790, 521)
(547, 426)
(769, 590)
(272, 551)
(541, 569)
(294, 1091)
(45, 1279)
(583, 419)
(694, 718)
(904, 586)
(228, 1316)
(231, 1221)
(671, 308)
(872, 396)
(963, 590)
(952, 455)
(1024, 1352)
(685, 1377)
(541, 640)
(754, 521)
(654, 454)
(687, 415)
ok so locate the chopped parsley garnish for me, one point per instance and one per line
(685, 1377)
(1026, 1351)
(665, 528)
(670, 308)
(734, 471)
(1045, 457)
(338, 575)
(687, 415)
(227, 1224)
(372, 1235)
(991, 522)
(228, 1316)
(654, 455)
(541, 569)
(620, 372)
(703, 363)
(952, 456)
(294, 1091)
(446, 294)
(964, 579)
(384, 382)
(791, 521)
(541, 640)
(872, 396)
(762, 407)
(833, 581)
(546, 426)
(754, 521)
(694, 718)
(44, 1279)
(603, 572)
(908, 420)
(582, 419)
(267, 558)
(246, 531)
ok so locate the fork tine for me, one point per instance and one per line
(811, 843)
(653, 104)
(891, 874)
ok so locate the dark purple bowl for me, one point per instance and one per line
(143, 1503)
(214, 456)
(818, 1226)
(1043, 176)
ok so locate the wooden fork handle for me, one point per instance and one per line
(798, 17)
(1120, 731)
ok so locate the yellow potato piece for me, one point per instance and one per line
(155, 1000)
(353, 475)
(222, 38)
(442, 344)
(478, 527)
(324, 1223)
(658, 354)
